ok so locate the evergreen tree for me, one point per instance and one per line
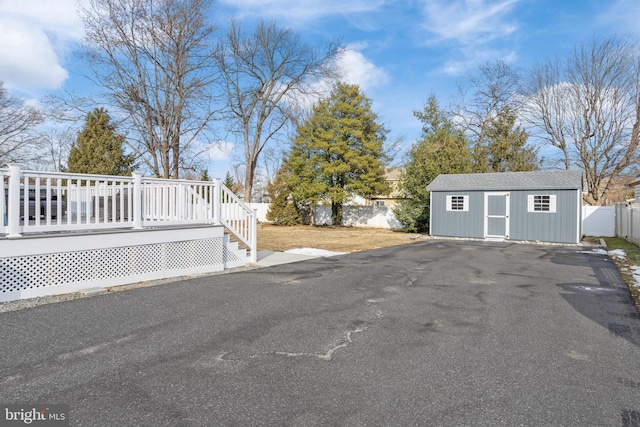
(232, 184)
(442, 149)
(506, 148)
(228, 181)
(338, 152)
(98, 149)
(284, 208)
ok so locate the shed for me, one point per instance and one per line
(543, 206)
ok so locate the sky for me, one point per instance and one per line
(398, 51)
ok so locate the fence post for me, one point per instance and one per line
(253, 232)
(13, 201)
(628, 235)
(217, 201)
(137, 200)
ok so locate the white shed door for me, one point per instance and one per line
(496, 215)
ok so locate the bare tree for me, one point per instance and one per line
(259, 71)
(587, 105)
(17, 123)
(54, 149)
(485, 97)
(151, 58)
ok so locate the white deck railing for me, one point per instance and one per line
(39, 202)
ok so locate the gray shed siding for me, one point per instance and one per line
(559, 227)
(457, 224)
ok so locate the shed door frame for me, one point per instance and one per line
(489, 216)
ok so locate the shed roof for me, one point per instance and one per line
(538, 180)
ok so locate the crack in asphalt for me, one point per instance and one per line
(329, 354)
(228, 356)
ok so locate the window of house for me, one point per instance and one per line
(457, 203)
(378, 203)
(541, 203)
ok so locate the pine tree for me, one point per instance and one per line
(228, 181)
(442, 149)
(506, 148)
(98, 149)
(338, 152)
(232, 184)
(284, 208)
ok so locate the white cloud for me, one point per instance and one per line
(469, 21)
(354, 68)
(34, 39)
(30, 60)
(472, 58)
(220, 150)
(472, 28)
(302, 10)
(358, 69)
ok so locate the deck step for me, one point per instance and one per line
(234, 255)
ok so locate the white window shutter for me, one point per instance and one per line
(552, 203)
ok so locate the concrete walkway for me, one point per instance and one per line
(271, 258)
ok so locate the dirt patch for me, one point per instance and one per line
(331, 238)
(591, 241)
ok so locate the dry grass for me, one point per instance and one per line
(336, 239)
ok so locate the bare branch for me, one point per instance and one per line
(259, 71)
(151, 58)
(17, 122)
(588, 106)
(481, 100)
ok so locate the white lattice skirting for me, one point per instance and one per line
(50, 265)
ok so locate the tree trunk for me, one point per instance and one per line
(336, 213)
(248, 181)
(312, 214)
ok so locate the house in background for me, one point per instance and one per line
(543, 206)
(635, 185)
(393, 177)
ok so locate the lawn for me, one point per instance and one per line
(336, 239)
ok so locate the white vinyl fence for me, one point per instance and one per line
(352, 216)
(598, 221)
(360, 216)
(628, 221)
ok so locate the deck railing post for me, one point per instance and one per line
(13, 201)
(254, 235)
(217, 202)
(137, 200)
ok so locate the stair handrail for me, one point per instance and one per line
(235, 215)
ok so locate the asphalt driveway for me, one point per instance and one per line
(433, 333)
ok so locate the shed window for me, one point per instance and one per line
(541, 203)
(458, 203)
